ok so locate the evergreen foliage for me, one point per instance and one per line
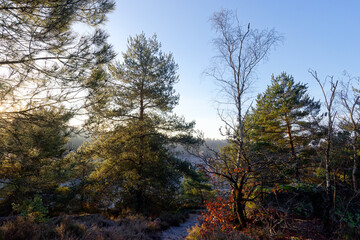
(31, 151)
(136, 128)
(284, 117)
(45, 64)
(43, 60)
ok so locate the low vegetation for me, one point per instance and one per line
(89, 226)
(291, 211)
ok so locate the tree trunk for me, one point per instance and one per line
(327, 160)
(355, 162)
(334, 191)
(239, 208)
(327, 169)
(141, 107)
(139, 201)
(292, 147)
(139, 193)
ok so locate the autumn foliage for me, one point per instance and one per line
(218, 216)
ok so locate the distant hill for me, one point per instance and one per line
(213, 144)
(76, 140)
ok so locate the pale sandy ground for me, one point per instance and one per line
(180, 232)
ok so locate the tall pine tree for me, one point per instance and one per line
(137, 127)
(283, 117)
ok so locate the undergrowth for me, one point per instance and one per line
(88, 227)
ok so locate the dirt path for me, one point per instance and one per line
(180, 232)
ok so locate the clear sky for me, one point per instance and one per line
(323, 35)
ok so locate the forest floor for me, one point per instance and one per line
(181, 231)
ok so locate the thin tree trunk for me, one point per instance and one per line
(355, 162)
(292, 147)
(139, 200)
(334, 191)
(139, 193)
(327, 159)
(331, 116)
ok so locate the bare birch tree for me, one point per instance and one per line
(331, 114)
(240, 49)
(350, 99)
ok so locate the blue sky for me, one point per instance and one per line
(323, 35)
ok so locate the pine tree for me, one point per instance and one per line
(44, 62)
(41, 56)
(134, 108)
(283, 116)
(31, 152)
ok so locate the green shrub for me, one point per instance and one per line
(33, 209)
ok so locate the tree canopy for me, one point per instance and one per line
(137, 127)
(284, 109)
(41, 56)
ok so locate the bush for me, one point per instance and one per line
(194, 233)
(20, 228)
(218, 217)
(85, 227)
(33, 209)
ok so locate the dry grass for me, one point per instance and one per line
(21, 229)
(89, 227)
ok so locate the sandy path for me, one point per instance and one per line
(180, 232)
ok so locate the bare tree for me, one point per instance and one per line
(350, 99)
(240, 50)
(331, 114)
